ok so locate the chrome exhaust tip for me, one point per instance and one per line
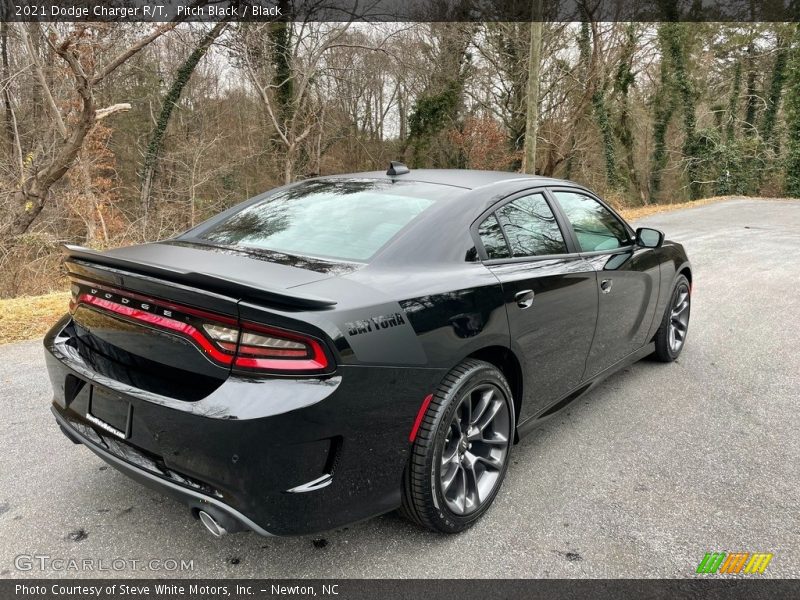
(210, 523)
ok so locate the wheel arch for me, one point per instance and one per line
(507, 362)
(686, 271)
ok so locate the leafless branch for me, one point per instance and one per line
(37, 69)
(102, 113)
(133, 50)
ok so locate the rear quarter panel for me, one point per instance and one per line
(403, 317)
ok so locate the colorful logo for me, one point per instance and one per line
(734, 562)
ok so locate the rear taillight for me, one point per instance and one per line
(74, 293)
(225, 337)
(252, 347)
(263, 348)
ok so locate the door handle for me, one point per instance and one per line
(524, 299)
(606, 284)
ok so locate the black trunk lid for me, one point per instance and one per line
(139, 312)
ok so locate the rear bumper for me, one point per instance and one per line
(250, 452)
(228, 515)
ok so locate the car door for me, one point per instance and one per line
(550, 294)
(628, 277)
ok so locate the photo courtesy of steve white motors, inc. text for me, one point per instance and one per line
(172, 589)
(147, 11)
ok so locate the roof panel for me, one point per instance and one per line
(464, 178)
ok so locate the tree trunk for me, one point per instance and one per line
(532, 100)
(686, 94)
(441, 103)
(775, 91)
(752, 98)
(733, 104)
(677, 85)
(280, 34)
(664, 107)
(624, 80)
(32, 195)
(728, 175)
(182, 77)
(9, 117)
(288, 165)
(401, 108)
(595, 88)
(793, 118)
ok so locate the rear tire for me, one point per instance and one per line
(671, 336)
(460, 455)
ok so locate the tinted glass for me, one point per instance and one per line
(492, 238)
(649, 237)
(343, 220)
(531, 227)
(595, 226)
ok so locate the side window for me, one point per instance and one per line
(595, 226)
(531, 227)
(492, 238)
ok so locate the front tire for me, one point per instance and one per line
(461, 452)
(671, 335)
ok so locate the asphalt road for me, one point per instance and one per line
(657, 466)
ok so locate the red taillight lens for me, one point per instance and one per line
(267, 348)
(160, 321)
(225, 337)
(253, 347)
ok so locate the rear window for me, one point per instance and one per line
(337, 219)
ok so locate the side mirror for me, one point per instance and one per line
(649, 238)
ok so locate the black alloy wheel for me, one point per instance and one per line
(475, 449)
(671, 336)
(460, 455)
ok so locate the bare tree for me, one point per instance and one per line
(534, 68)
(281, 101)
(285, 82)
(182, 76)
(76, 48)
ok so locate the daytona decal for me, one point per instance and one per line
(374, 323)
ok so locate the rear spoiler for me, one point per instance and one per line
(231, 287)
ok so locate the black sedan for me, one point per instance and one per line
(348, 345)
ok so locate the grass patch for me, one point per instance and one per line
(30, 317)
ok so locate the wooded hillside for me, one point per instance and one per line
(120, 133)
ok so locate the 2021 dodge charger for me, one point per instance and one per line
(345, 346)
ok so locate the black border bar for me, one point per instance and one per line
(746, 588)
(399, 10)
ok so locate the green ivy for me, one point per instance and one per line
(182, 77)
(733, 103)
(678, 91)
(430, 115)
(599, 109)
(775, 90)
(663, 108)
(676, 43)
(624, 80)
(280, 34)
(752, 97)
(609, 151)
(793, 117)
